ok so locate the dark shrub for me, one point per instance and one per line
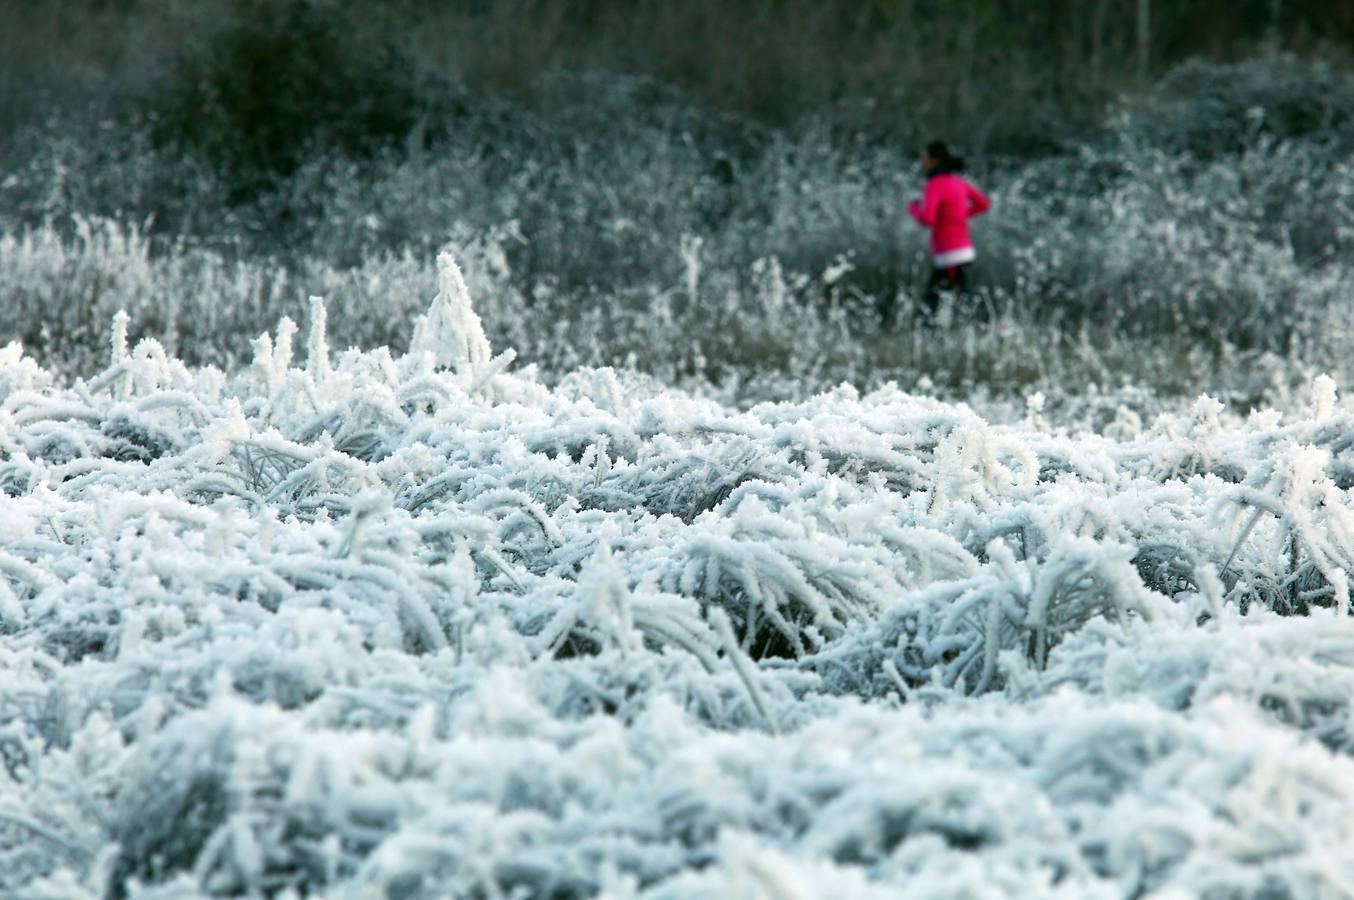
(279, 79)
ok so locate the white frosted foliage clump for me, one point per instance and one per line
(1323, 397)
(317, 355)
(450, 330)
(361, 625)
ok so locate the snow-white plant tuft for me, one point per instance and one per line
(317, 361)
(451, 330)
(119, 339)
(1323, 397)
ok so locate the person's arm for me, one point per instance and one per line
(925, 211)
(977, 202)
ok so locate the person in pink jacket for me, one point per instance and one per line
(947, 204)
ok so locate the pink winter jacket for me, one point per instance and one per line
(945, 208)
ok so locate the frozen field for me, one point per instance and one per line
(364, 624)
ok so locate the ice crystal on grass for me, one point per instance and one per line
(420, 626)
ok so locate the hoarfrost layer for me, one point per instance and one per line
(420, 626)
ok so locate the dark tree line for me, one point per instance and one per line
(1005, 74)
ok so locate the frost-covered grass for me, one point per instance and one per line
(365, 624)
(780, 335)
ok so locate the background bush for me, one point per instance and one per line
(275, 83)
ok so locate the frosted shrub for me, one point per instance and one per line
(420, 625)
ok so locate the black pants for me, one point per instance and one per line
(952, 279)
(947, 278)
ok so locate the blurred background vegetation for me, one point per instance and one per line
(251, 80)
(1183, 184)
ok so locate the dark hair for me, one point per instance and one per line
(939, 150)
